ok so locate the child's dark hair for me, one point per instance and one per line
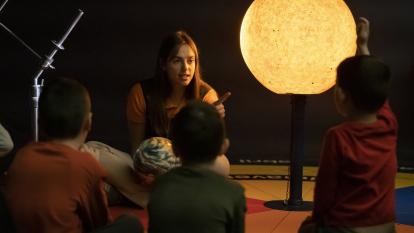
(63, 106)
(197, 133)
(366, 80)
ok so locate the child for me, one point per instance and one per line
(195, 198)
(51, 185)
(152, 103)
(354, 190)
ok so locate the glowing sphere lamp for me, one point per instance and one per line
(293, 47)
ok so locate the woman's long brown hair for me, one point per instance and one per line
(157, 122)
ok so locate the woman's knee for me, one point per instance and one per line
(222, 165)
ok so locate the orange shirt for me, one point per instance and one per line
(136, 107)
(54, 188)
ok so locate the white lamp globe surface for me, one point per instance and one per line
(294, 46)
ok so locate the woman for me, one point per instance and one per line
(151, 105)
(154, 102)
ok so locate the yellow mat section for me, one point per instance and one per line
(275, 221)
(402, 179)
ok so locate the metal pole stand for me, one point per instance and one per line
(38, 82)
(36, 89)
(295, 201)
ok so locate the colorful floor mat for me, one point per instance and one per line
(405, 205)
(264, 183)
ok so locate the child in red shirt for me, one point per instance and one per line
(52, 186)
(354, 190)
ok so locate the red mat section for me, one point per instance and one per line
(142, 214)
(255, 206)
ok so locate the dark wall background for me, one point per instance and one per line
(116, 42)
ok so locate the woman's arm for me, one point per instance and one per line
(219, 104)
(6, 143)
(136, 135)
(136, 110)
(212, 98)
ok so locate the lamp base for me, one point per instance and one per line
(285, 205)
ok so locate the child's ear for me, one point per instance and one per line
(88, 123)
(341, 95)
(341, 101)
(224, 146)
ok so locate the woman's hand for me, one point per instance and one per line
(219, 104)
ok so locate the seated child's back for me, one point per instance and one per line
(194, 198)
(356, 178)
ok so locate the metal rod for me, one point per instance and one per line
(2, 5)
(75, 21)
(58, 46)
(47, 63)
(297, 151)
(21, 41)
(17, 37)
(297, 140)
